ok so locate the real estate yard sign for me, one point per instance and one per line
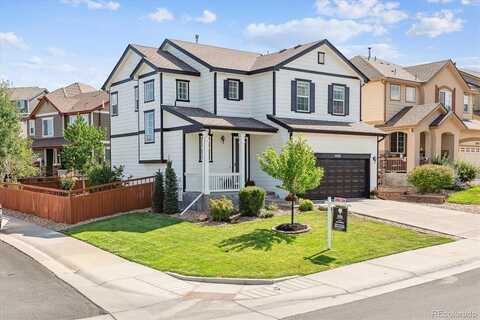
(337, 216)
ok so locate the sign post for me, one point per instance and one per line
(337, 215)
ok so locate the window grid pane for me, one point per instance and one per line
(233, 89)
(411, 94)
(149, 127)
(338, 100)
(182, 90)
(149, 95)
(394, 92)
(303, 96)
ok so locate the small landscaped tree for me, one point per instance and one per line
(85, 147)
(295, 167)
(16, 156)
(171, 190)
(158, 193)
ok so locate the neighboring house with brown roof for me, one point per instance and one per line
(426, 110)
(55, 111)
(25, 99)
(213, 110)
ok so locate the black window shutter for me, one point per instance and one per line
(312, 97)
(225, 89)
(294, 95)
(330, 99)
(347, 101)
(240, 90)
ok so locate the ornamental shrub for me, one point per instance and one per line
(171, 190)
(251, 200)
(158, 198)
(221, 209)
(67, 182)
(465, 171)
(305, 205)
(102, 174)
(431, 178)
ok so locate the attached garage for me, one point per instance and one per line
(470, 152)
(345, 175)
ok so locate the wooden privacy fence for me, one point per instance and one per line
(78, 205)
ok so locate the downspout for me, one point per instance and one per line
(378, 158)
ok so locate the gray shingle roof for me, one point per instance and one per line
(208, 120)
(379, 68)
(163, 59)
(24, 93)
(411, 116)
(424, 72)
(309, 125)
(471, 77)
(49, 142)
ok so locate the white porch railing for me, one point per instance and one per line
(221, 182)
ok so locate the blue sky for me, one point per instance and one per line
(56, 42)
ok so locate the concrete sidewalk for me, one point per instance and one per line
(127, 290)
(451, 222)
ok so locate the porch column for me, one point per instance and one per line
(206, 162)
(456, 145)
(241, 158)
(413, 150)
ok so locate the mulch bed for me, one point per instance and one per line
(292, 228)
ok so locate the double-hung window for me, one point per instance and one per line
(114, 103)
(321, 58)
(233, 89)
(465, 103)
(395, 92)
(397, 142)
(338, 100)
(22, 106)
(446, 98)
(411, 94)
(149, 91)
(47, 127)
(137, 99)
(31, 127)
(183, 90)
(149, 126)
(303, 96)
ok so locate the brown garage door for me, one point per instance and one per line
(345, 175)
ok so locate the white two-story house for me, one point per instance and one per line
(212, 111)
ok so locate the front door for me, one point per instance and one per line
(49, 162)
(236, 155)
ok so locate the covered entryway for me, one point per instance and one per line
(345, 175)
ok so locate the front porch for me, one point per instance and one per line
(228, 165)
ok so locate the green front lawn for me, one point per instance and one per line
(469, 196)
(249, 249)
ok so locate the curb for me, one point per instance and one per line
(239, 281)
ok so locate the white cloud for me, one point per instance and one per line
(207, 17)
(380, 50)
(37, 63)
(470, 63)
(441, 1)
(94, 4)
(469, 2)
(56, 52)
(308, 29)
(375, 10)
(438, 23)
(161, 14)
(10, 39)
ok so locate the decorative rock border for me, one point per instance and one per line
(240, 281)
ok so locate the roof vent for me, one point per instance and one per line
(369, 52)
(297, 46)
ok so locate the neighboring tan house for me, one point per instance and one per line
(26, 99)
(55, 111)
(425, 109)
(212, 111)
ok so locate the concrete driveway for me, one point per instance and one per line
(29, 291)
(452, 222)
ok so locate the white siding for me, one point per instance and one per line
(242, 108)
(125, 152)
(173, 149)
(170, 89)
(333, 63)
(284, 78)
(127, 119)
(126, 67)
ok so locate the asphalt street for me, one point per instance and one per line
(29, 291)
(456, 297)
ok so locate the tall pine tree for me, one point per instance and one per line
(171, 190)
(159, 193)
